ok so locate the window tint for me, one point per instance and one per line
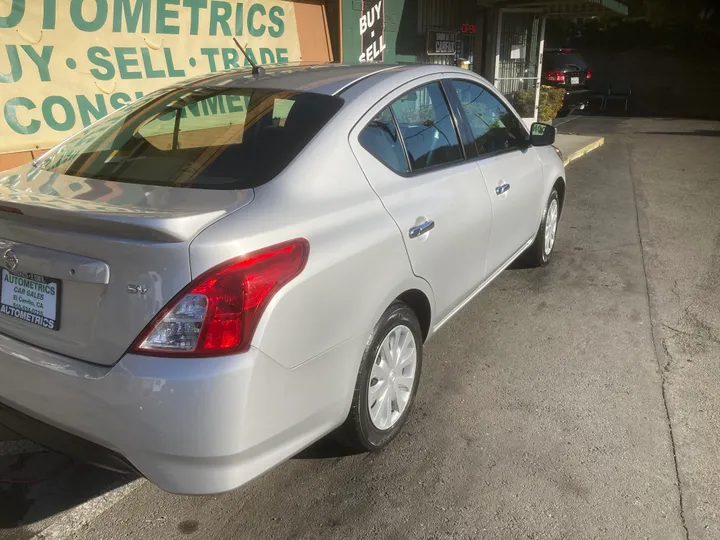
(427, 127)
(493, 126)
(556, 60)
(380, 138)
(213, 138)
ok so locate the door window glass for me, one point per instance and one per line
(494, 127)
(427, 127)
(380, 138)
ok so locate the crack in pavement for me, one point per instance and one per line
(689, 334)
(656, 340)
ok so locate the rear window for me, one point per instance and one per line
(560, 60)
(211, 138)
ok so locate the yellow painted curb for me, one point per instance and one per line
(586, 150)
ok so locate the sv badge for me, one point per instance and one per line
(137, 289)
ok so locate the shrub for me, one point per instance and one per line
(551, 101)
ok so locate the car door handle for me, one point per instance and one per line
(419, 230)
(502, 189)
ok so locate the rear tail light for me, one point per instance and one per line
(218, 312)
(556, 76)
(589, 75)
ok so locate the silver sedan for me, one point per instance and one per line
(212, 278)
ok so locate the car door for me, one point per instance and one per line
(510, 167)
(409, 149)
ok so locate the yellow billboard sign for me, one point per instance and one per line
(66, 63)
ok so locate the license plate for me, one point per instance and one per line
(32, 298)
(574, 80)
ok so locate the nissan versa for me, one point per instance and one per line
(206, 281)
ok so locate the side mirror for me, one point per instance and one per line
(542, 134)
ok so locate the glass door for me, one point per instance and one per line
(518, 60)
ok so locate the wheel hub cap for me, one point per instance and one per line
(551, 221)
(392, 377)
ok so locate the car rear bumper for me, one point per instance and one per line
(191, 426)
(575, 98)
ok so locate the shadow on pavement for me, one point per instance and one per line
(37, 486)
(326, 448)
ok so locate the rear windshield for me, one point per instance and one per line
(211, 138)
(559, 60)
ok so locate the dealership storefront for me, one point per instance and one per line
(499, 39)
(66, 63)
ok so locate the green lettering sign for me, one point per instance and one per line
(15, 66)
(266, 56)
(17, 11)
(124, 62)
(150, 72)
(256, 31)
(164, 14)
(230, 58)
(220, 13)
(42, 60)
(276, 14)
(131, 16)
(210, 53)
(10, 111)
(48, 107)
(172, 71)
(195, 7)
(94, 25)
(211, 104)
(282, 55)
(235, 103)
(49, 14)
(239, 19)
(98, 57)
(86, 109)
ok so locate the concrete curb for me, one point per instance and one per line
(584, 150)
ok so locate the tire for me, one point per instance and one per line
(538, 254)
(364, 429)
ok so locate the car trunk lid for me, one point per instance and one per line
(87, 263)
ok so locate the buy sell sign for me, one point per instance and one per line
(372, 31)
(66, 63)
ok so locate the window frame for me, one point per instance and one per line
(467, 130)
(387, 103)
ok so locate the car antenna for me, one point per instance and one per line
(256, 70)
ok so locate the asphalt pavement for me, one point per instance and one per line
(574, 401)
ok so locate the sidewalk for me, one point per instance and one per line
(576, 146)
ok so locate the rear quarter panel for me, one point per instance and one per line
(357, 263)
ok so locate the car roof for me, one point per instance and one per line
(329, 79)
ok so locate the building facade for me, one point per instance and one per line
(501, 40)
(64, 64)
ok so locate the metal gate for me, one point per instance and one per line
(518, 61)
